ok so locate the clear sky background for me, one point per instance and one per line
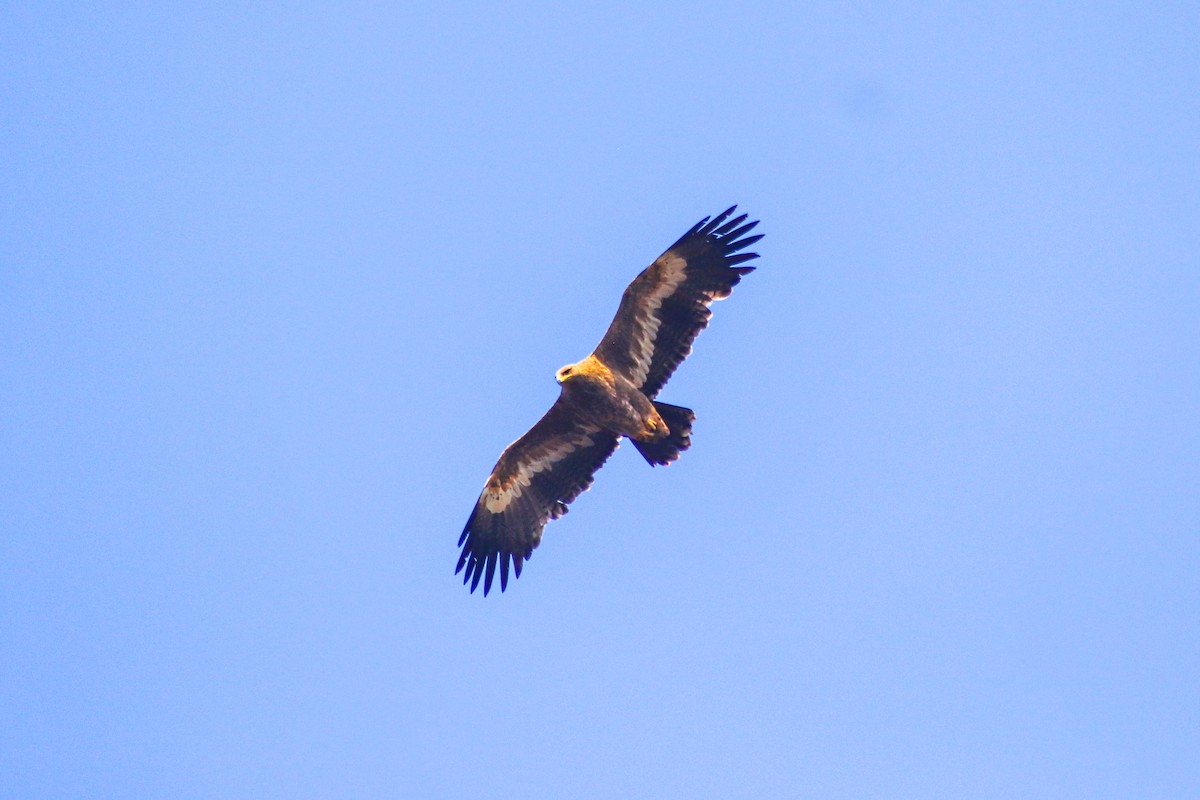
(279, 285)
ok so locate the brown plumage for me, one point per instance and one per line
(605, 396)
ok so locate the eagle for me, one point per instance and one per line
(605, 396)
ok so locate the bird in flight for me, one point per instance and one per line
(605, 396)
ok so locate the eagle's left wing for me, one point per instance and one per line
(666, 306)
(535, 478)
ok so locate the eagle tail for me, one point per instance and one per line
(679, 425)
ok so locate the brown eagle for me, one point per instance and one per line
(605, 396)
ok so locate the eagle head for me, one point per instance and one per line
(564, 373)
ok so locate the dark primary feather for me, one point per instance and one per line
(510, 535)
(711, 250)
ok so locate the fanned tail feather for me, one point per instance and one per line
(679, 424)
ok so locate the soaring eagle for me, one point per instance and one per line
(605, 396)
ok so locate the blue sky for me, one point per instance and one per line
(278, 285)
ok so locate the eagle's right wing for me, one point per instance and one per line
(535, 478)
(666, 306)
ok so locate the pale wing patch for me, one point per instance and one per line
(496, 498)
(674, 273)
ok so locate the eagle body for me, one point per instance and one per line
(608, 395)
(609, 400)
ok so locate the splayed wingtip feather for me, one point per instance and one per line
(730, 225)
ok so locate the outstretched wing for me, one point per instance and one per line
(535, 478)
(666, 306)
